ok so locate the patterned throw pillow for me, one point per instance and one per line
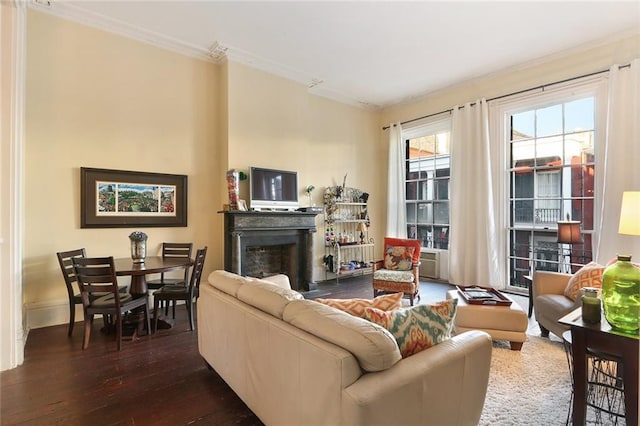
(355, 307)
(398, 258)
(590, 275)
(418, 327)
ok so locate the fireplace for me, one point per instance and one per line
(260, 244)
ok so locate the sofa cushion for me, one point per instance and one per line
(394, 276)
(590, 275)
(419, 327)
(227, 282)
(373, 346)
(281, 280)
(553, 306)
(267, 297)
(386, 302)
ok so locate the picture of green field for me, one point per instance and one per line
(138, 198)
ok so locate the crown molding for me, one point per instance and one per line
(315, 85)
(96, 20)
(217, 53)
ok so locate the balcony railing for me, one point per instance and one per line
(544, 216)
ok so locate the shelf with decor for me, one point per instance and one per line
(348, 249)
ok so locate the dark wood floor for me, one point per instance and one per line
(156, 380)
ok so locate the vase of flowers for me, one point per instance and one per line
(138, 241)
(309, 190)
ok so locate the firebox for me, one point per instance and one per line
(262, 243)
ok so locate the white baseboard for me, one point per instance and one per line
(56, 312)
(46, 314)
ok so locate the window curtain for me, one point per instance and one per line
(619, 160)
(474, 246)
(396, 204)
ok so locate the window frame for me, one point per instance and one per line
(502, 110)
(427, 127)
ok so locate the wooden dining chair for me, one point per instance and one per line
(65, 259)
(98, 275)
(172, 250)
(190, 293)
(70, 279)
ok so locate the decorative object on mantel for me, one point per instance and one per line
(138, 241)
(233, 187)
(308, 191)
(621, 280)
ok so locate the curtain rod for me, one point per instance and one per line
(543, 86)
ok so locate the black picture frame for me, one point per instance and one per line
(125, 199)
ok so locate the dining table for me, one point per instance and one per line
(151, 265)
(138, 271)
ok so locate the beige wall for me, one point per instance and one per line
(95, 99)
(276, 123)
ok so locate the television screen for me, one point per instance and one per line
(273, 189)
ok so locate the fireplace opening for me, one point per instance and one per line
(265, 261)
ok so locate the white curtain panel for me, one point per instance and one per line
(396, 204)
(619, 162)
(474, 242)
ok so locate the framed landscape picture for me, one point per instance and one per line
(123, 199)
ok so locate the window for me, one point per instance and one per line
(427, 184)
(551, 178)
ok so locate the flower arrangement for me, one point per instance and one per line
(309, 190)
(138, 236)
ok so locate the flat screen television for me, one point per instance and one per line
(273, 189)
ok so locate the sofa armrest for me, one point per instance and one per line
(445, 384)
(546, 282)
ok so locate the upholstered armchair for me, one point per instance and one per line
(398, 270)
(556, 294)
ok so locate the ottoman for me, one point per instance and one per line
(501, 322)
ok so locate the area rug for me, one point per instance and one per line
(528, 387)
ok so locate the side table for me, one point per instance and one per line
(587, 338)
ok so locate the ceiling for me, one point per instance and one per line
(372, 54)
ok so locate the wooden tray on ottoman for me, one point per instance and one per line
(477, 295)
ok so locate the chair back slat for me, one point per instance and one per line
(177, 249)
(96, 275)
(65, 259)
(198, 266)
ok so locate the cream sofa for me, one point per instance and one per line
(299, 362)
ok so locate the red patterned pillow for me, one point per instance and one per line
(356, 307)
(398, 258)
(590, 275)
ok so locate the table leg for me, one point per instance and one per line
(135, 319)
(138, 286)
(579, 376)
(530, 298)
(630, 378)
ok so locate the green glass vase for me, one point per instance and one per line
(621, 295)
